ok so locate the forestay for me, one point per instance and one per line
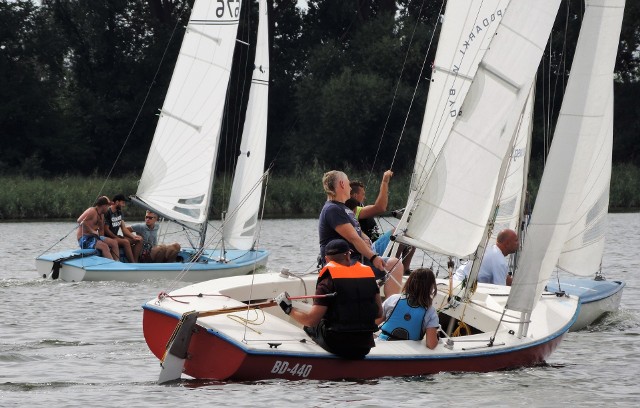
(586, 109)
(178, 175)
(453, 206)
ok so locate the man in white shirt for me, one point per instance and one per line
(494, 268)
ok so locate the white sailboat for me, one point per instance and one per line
(583, 251)
(438, 218)
(567, 219)
(177, 180)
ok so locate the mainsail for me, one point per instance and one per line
(241, 223)
(586, 110)
(178, 174)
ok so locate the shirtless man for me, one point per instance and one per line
(91, 227)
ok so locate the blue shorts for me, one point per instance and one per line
(88, 242)
(381, 243)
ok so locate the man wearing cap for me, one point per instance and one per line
(90, 225)
(344, 323)
(129, 242)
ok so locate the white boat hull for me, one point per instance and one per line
(87, 266)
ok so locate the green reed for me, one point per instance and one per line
(298, 194)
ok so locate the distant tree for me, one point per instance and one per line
(31, 75)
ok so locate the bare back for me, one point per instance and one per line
(89, 223)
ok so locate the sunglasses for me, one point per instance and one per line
(149, 217)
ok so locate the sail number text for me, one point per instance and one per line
(300, 370)
(233, 6)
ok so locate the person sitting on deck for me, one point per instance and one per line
(336, 221)
(410, 315)
(90, 227)
(494, 267)
(342, 324)
(151, 250)
(114, 222)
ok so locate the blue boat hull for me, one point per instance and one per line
(597, 297)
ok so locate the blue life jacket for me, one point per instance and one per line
(404, 323)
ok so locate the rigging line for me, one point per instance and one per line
(395, 92)
(257, 240)
(146, 97)
(560, 72)
(75, 227)
(236, 138)
(218, 233)
(415, 90)
(231, 135)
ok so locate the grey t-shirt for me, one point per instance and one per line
(149, 236)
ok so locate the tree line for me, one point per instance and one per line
(82, 82)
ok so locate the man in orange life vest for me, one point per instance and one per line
(342, 324)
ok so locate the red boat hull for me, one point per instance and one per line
(211, 356)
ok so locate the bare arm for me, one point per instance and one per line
(127, 232)
(380, 206)
(350, 234)
(108, 233)
(432, 337)
(308, 319)
(88, 222)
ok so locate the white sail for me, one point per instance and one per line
(178, 174)
(583, 115)
(510, 209)
(241, 223)
(450, 211)
(584, 247)
(467, 30)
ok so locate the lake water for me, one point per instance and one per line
(81, 344)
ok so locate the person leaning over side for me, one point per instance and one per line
(151, 250)
(337, 221)
(410, 315)
(90, 224)
(114, 223)
(342, 324)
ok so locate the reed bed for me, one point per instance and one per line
(295, 195)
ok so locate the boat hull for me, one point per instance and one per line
(85, 265)
(214, 357)
(254, 345)
(597, 298)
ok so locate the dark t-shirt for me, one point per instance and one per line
(333, 214)
(112, 220)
